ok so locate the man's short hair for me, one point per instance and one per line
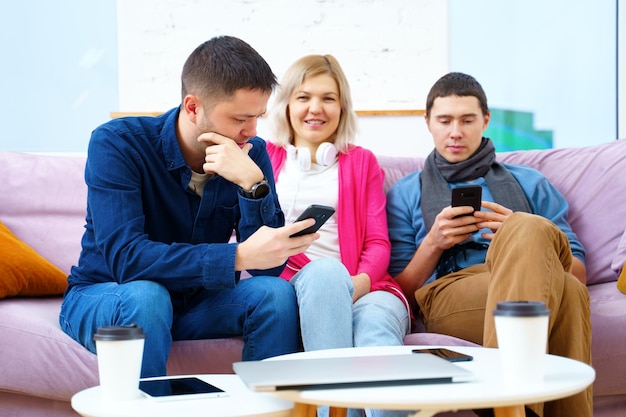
(222, 65)
(457, 84)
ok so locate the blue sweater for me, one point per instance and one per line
(406, 223)
(143, 223)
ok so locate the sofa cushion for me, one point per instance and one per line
(608, 338)
(43, 202)
(619, 265)
(37, 357)
(593, 182)
(24, 272)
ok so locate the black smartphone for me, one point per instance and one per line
(467, 195)
(173, 388)
(447, 354)
(314, 211)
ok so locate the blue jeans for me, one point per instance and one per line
(262, 309)
(329, 319)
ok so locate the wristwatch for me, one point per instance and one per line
(258, 190)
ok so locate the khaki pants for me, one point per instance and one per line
(528, 259)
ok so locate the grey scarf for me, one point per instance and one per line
(438, 172)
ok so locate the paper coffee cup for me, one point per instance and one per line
(119, 350)
(522, 333)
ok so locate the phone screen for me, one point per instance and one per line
(173, 388)
(448, 354)
(467, 195)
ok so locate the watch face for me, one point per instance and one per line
(261, 189)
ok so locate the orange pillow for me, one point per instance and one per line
(621, 281)
(23, 272)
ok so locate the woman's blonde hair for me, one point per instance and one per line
(295, 76)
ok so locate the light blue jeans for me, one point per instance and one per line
(261, 309)
(329, 319)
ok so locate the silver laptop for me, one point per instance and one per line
(348, 372)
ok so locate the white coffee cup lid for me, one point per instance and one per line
(521, 309)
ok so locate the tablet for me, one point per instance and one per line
(178, 388)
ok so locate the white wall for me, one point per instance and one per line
(60, 74)
(391, 51)
(555, 59)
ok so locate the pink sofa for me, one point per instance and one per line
(42, 200)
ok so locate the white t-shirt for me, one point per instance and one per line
(298, 189)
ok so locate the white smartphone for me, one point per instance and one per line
(178, 388)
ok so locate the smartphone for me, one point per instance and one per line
(319, 213)
(173, 388)
(447, 354)
(467, 195)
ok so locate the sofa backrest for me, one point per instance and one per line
(43, 201)
(592, 179)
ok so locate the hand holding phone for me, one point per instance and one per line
(467, 195)
(315, 211)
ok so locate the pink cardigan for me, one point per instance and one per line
(361, 218)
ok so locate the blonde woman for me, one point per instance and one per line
(345, 296)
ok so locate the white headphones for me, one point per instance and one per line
(325, 155)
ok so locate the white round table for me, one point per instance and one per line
(563, 377)
(240, 402)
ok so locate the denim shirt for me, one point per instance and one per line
(143, 223)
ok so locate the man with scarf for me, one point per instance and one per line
(457, 264)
